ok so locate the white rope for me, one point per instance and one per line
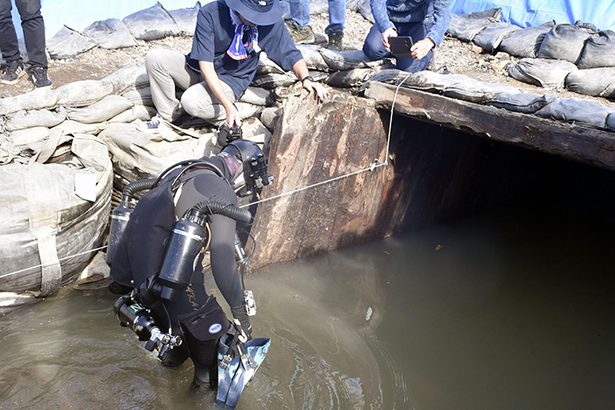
(374, 165)
(60, 260)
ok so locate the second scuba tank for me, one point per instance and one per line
(187, 240)
(119, 221)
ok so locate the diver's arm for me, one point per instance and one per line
(224, 267)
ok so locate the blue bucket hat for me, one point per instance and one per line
(259, 12)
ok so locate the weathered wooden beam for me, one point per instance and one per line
(318, 142)
(571, 141)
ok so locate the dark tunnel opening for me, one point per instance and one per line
(448, 174)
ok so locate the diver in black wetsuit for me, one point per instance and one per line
(239, 169)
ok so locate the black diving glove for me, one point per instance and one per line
(239, 313)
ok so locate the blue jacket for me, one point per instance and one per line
(435, 14)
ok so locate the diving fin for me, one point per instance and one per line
(237, 363)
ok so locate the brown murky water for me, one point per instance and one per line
(510, 310)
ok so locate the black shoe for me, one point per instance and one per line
(39, 77)
(335, 40)
(13, 72)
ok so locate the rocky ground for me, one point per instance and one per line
(452, 56)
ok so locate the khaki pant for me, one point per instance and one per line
(167, 72)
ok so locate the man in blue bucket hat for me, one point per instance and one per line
(222, 63)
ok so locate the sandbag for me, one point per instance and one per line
(491, 36)
(599, 51)
(564, 42)
(267, 66)
(138, 112)
(35, 118)
(455, 86)
(48, 229)
(138, 155)
(313, 58)
(84, 92)
(152, 23)
(466, 27)
(40, 98)
(67, 43)
(254, 130)
(110, 34)
(576, 110)
(477, 91)
(390, 76)
(597, 82)
(526, 42)
(140, 96)
(542, 72)
(269, 117)
(257, 96)
(271, 81)
(349, 78)
(29, 138)
(247, 110)
(100, 111)
(128, 77)
(186, 19)
(75, 127)
(526, 103)
(347, 59)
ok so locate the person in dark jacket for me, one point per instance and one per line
(142, 252)
(425, 21)
(228, 38)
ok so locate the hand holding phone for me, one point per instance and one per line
(401, 46)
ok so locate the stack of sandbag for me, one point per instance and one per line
(579, 111)
(55, 211)
(550, 53)
(149, 24)
(342, 69)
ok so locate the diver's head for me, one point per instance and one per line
(250, 169)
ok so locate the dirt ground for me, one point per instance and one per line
(452, 56)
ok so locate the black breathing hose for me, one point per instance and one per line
(134, 187)
(228, 210)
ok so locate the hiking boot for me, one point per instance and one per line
(13, 72)
(300, 35)
(335, 39)
(39, 77)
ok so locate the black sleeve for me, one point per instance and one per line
(200, 187)
(223, 263)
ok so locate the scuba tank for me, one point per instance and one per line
(121, 216)
(187, 241)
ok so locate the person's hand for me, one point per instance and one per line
(389, 32)
(421, 48)
(232, 116)
(321, 92)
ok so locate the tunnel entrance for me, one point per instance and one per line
(341, 179)
(448, 174)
